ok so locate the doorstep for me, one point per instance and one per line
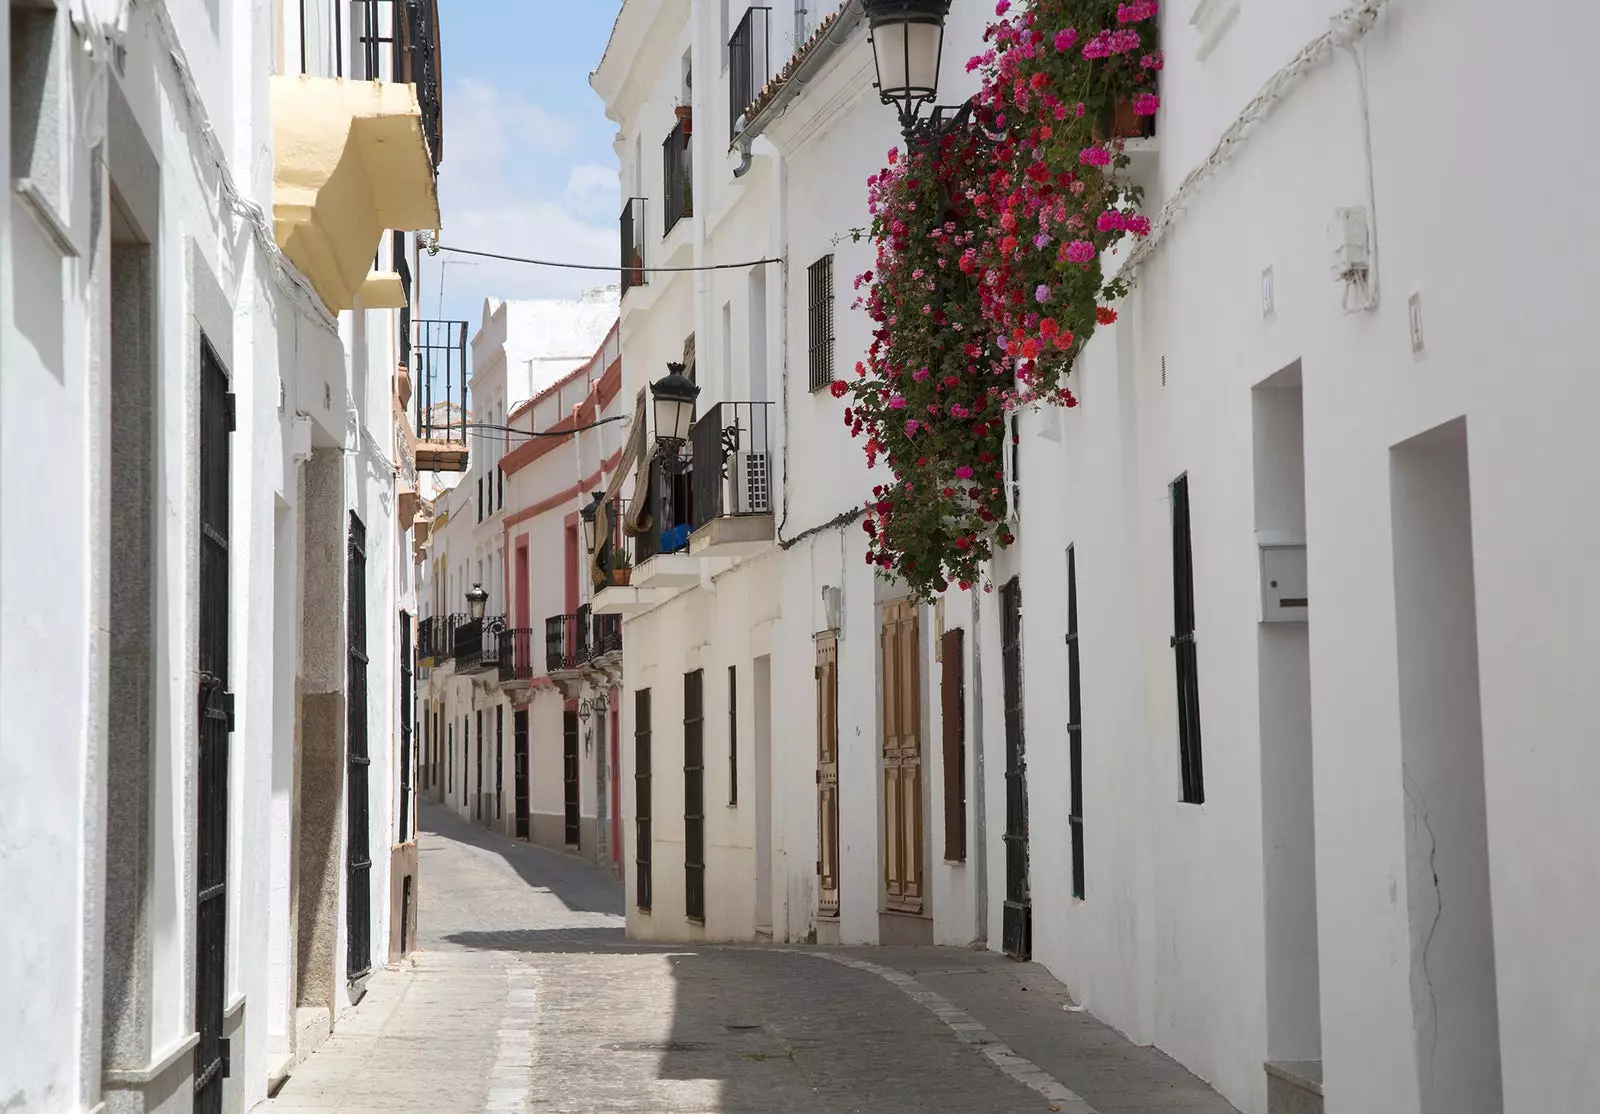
(1294, 1086)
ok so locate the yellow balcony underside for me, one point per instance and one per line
(351, 162)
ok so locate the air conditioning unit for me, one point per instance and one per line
(752, 484)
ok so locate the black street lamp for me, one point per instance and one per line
(674, 395)
(477, 600)
(907, 42)
(587, 514)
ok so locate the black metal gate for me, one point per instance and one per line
(216, 721)
(358, 856)
(477, 789)
(569, 773)
(499, 761)
(642, 801)
(694, 797)
(519, 747)
(405, 727)
(1016, 927)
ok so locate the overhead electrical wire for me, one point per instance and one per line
(434, 248)
(546, 432)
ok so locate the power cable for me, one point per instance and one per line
(434, 248)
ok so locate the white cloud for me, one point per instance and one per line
(503, 188)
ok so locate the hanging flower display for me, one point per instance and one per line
(987, 280)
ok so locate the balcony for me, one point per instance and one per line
(749, 65)
(561, 645)
(731, 503)
(632, 259)
(477, 644)
(516, 655)
(677, 173)
(436, 639)
(439, 394)
(611, 572)
(661, 550)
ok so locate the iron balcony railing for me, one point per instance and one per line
(560, 643)
(418, 62)
(477, 644)
(439, 384)
(632, 258)
(583, 625)
(607, 636)
(516, 654)
(436, 637)
(749, 65)
(677, 172)
(733, 451)
(385, 40)
(616, 551)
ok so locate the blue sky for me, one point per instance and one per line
(528, 165)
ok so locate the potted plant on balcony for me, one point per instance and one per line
(685, 114)
(621, 570)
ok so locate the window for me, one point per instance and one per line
(819, 282)
(733, 736)
(500, 489)
(694, 797)
(677, 172)
(953, 703)
(480, 498)
(641, 799)
(1074, 727)
(747, 65)
(1193, 775)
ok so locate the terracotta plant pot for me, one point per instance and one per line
(621, 577)
(1127, 124)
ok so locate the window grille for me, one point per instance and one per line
(819, 282)
(1074, 727)
(694, 797)
(641, 799)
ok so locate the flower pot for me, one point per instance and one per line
(1125, 123)
(621, 577)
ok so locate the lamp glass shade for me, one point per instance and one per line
(477, 600)
(587, 514)
(907, 40)
(674, 395)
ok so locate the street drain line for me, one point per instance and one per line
(513, 1043)
(971, 1031)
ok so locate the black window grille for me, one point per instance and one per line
(694, 797)
(748, 65)
(641, 800)
(211, 1056)
(733, 736)
(358, 860)
(450, 759)
(402, 266)
(405, 727)
(632, 222)
(499, 760)
(819, 283)
(1074, 727)
(569, 773)
(677, 171)
(480, 497)
(1183, 645)
(1016, 928)
(477, 785)
(519, 769)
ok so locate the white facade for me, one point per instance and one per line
(1387, 874)
(512, 526)
(129, 265)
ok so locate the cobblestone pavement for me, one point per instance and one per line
(524, 995)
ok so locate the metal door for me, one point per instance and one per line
(569, 773)
(1016, 929)
(211, 1059)
(519, 748)
(358, 860)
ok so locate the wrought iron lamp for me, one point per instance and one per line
(477, 600)
(674, 395)
(585, 706)
(587, 515)
(907, 43)
(601, 703)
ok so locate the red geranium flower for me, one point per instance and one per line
(1105, 314)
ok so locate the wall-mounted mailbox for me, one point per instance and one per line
(1283, 584)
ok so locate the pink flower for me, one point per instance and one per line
(912, 426)
(1145, 104)
(920, 374)
(1155, 61)
(898, 402)
(1139, 225)
(1134, 12)
(1094, 156)
(1080, 251)
(1066, 39)
(1040, 241)
(1002, 7)
(964, 472)
(1042, 294)
(1111, 220)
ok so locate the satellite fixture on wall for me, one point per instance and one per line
(832, 608)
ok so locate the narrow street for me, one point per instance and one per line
(525, 995)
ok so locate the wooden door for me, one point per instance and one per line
(827, 674)
(902, 759)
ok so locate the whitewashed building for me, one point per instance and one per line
(1357, 880)
(205, 628)
(513, 738)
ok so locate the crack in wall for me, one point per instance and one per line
(1413, 793)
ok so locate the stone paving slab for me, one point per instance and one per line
(525, 995)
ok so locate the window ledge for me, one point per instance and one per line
(45, 213)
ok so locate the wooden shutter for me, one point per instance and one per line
(953, 698)
(827, 675)
(902, 760)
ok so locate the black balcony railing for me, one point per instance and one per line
(560, 643)
(617, 551)
(607, 635)
(733, 457)
(477, 644)
(402, 267)
(749, 65)
(436, 637)
(677, 173)
(671, 495)
(583, 632)
(516, 654)
(439, 383)
(417, 59)
(632, 259)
